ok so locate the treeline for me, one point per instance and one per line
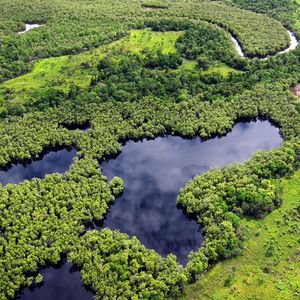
(110, 121)
(42, 219)
(208, 44)
(249, 27)
(124, 76)
(201, 38)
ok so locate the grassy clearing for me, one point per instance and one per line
(151, 40)
(270, 265)
(221, 69)
(218, 68)
(61, 71)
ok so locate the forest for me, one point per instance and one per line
(134, 70)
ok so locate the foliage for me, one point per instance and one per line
(116, 186)
(255, 276)
(40, 219)
(71, 27)
(282, 10)
(142, 85)
(206, 40)
(243, 189)
(66, 202)
(117, 267)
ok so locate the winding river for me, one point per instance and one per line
(28, 27)
(293, 44)
(153, 171)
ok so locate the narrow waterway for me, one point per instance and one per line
(28, 27)
(292, 46)
(237, 46)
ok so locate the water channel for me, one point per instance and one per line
(292, 46)
(29, 27)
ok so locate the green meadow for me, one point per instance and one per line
(269, 267)
(60, 72)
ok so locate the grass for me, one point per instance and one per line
(270, 265)
(60, 72)
(221, 69)
(151, 40)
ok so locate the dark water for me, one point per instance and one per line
(51, 162)
(84, 126)
(61, 283)
(155, 170)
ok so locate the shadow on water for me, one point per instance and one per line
(154, 171)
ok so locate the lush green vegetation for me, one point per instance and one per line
(269, 266)
(62, 72)
(72, 26)
(283, 10)
(110, 124)
(217, 199)
(182, 76)
(41, 218)
(117, 267)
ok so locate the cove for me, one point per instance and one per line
(54, 160)
(61, 283)
(155, 170)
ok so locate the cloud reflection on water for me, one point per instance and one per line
(155, 170)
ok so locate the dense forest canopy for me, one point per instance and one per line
(135, 69)
(71, 27)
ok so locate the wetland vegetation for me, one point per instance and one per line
(98, 75)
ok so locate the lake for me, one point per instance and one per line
(153, 172)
